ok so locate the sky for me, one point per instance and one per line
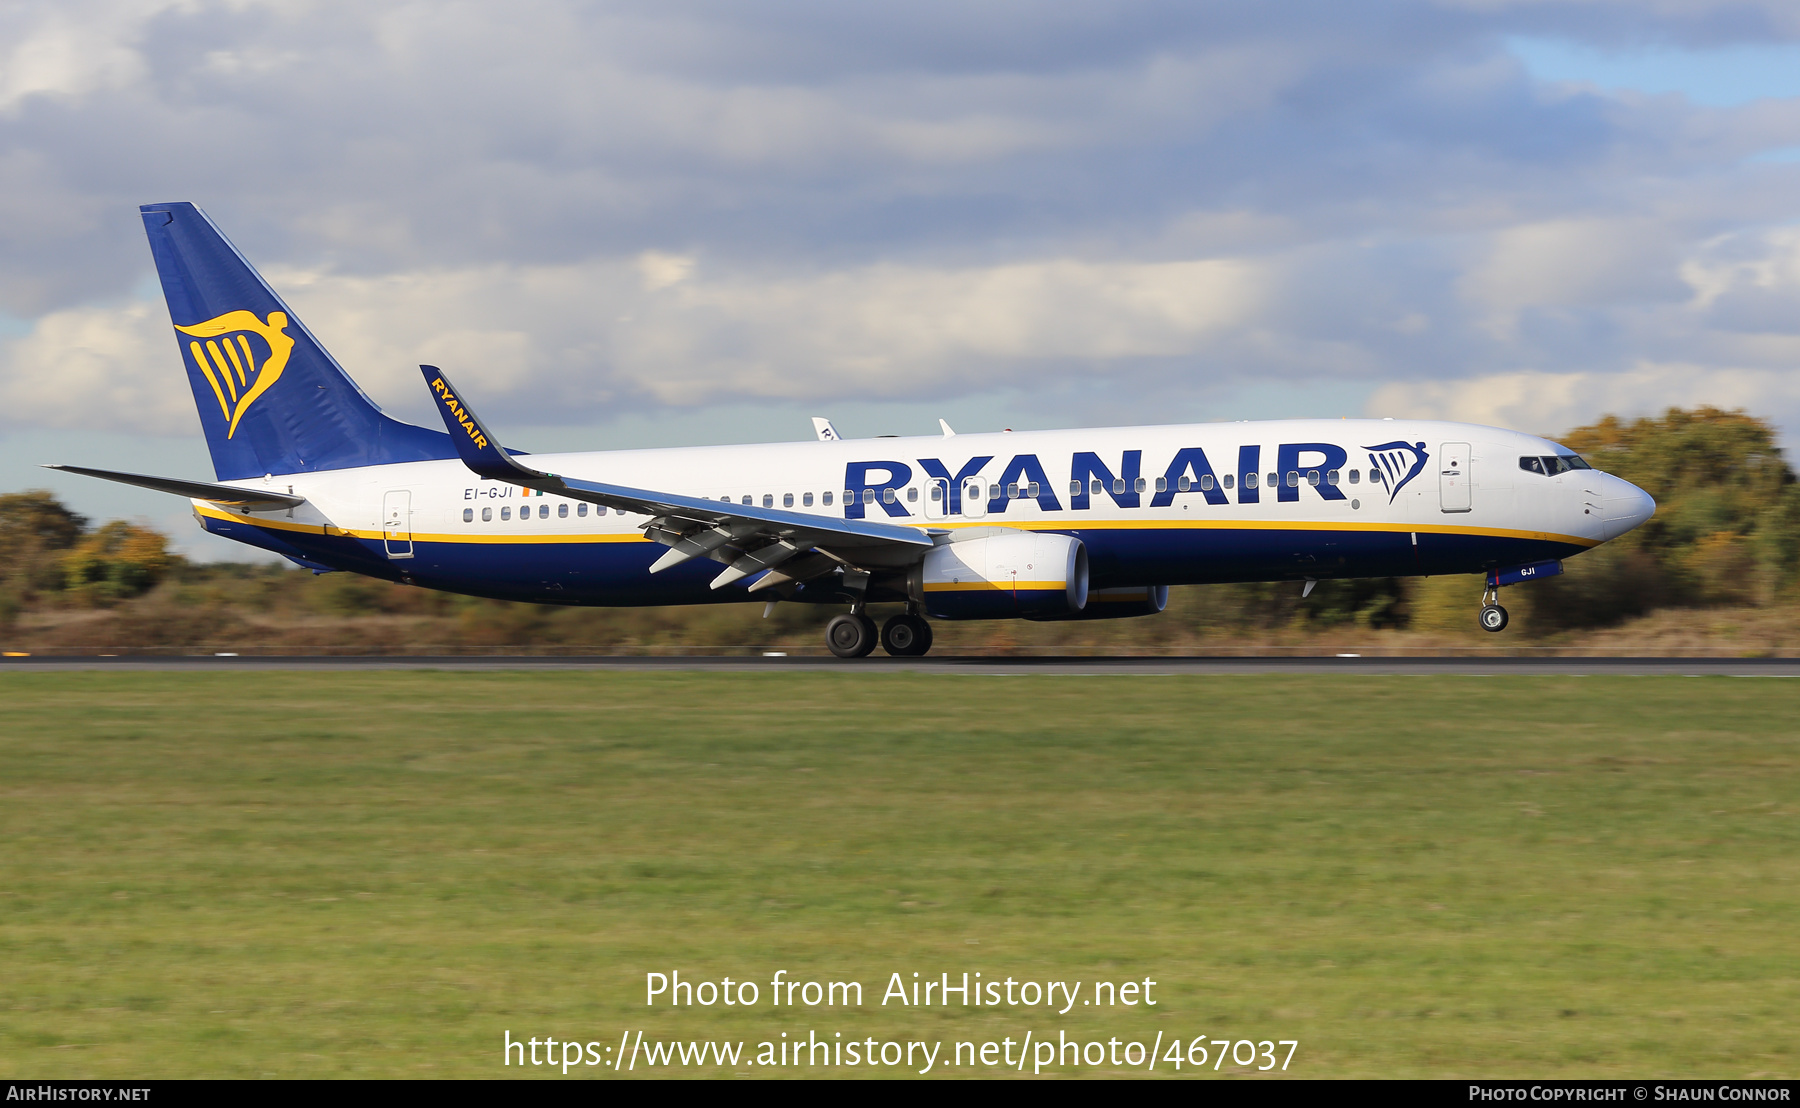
(636, 224)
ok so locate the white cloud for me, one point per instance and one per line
(1550, 403)
(542, 341)
(68, 50)
(1572, 263)
(96, 368)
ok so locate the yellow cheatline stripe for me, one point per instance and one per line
(1072, 525)
(995, 586)
(1273, 525)
(200, 360)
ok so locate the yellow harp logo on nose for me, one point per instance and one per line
(229, 358)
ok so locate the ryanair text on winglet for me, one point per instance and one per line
(461, 413)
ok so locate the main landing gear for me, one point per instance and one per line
(906, 636)
(853, 635)
(1493, 616)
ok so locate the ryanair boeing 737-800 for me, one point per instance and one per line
(1044, 525)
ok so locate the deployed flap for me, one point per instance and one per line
(826, 432)
(483, 455)
(254, 500)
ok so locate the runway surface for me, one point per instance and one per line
(980, 666)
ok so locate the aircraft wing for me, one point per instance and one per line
(253, 500)
(747, 538)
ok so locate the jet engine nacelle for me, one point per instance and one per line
(1004, 576)
(1138, 600)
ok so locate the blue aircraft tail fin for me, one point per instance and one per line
(271, 399)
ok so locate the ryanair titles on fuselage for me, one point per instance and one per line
(1319, 466)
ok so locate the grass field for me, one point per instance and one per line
(294, 874)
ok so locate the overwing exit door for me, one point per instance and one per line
(1453, 476)
(396, 523)
(974, 498)
(937, 498)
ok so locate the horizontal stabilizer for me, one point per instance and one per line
(252, 500)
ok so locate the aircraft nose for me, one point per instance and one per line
(1626, 506)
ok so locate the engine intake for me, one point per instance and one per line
(1005, 576)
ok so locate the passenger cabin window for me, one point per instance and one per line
(1293, 478)
(562, 511)
(468, 515)
(1331, 477)
(1074, 488)
(600, 510)
(768, 500)
(506, 513)
(1312, 478)
(1033, 490)
(581, 508)
(1355, 476)
(1229, 480)
(1162, 484)
(1098, 489)
(1118, 486)
(825, 498)
(1274, 479)
(746, 498)
(1140, 485)
(543, 511)
(1012, 491)
(869, 495)
(487, 514)
(806, 499)
(912, 496)
(1249, 481)
(1181, 483)
(887, 496)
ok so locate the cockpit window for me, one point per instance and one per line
(1552, 464)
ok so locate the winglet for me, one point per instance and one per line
(474, 444)
(948, 433)
(823, 428)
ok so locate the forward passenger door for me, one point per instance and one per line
(1453, 476)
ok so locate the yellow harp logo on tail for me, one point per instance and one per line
(229, 359)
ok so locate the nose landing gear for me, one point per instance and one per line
(1493, 616)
